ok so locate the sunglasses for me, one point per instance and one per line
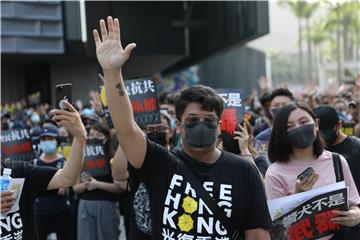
(210, 121)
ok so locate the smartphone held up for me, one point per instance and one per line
(63, 92)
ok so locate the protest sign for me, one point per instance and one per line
(95, 162)
(311, 219)
(234, 109)
(308, 215)
(16, 145)
(280, 206)
(143, 98)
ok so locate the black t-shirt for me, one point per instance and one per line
(50, 204)
(177, 213)
(140, 217)
(20, 224)
(350, 149)
(101, 172)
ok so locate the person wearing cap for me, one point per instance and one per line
(52, 213)
(19, 224)
(336, 141)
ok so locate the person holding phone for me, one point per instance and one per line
(240, 143)
(296, 145)
(39, 180)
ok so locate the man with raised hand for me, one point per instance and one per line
(177, 209)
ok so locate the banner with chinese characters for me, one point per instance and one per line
(95, 162)
(143, 97)
(234, 109)
(312, 218)
(16, 145)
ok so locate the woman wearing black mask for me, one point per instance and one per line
(97, 213)
(295, 145)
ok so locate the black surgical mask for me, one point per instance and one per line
(331, 139)
(302, 137)
(200, 135)
(95, 141)
(274, 111)
(158, 137)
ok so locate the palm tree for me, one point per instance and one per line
(309, 10)
(351, 25)
(297, 7)
(334, 26)
(318, 34)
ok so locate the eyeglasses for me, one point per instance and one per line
(150, 129)
(210, 121)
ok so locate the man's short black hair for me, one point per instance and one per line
(281, 92)
(207, 97)
(166, 98)
(279, 145)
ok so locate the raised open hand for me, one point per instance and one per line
(109, 50)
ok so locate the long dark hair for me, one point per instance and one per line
(279, 145)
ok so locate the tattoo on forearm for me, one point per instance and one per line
(121, 89)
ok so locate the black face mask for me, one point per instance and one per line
(200, 136)
(230, 144)
(157, 137)
(95, 141)
(331, 139)
(302, 137)
(274, 111)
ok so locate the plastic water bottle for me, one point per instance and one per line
(4, 185)
(5, 180)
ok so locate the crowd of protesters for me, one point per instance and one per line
(158, 176)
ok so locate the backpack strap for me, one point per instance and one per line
(339, 174)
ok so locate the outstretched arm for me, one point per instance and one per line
(67, 176)
(112, 56)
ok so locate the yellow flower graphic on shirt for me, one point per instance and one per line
(185, 223)
(189, 205)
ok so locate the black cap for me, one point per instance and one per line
(328, 117)
(50, 131)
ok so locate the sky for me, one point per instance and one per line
(283, 34)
